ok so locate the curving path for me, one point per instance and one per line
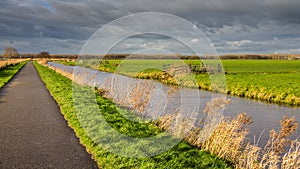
(33, 133)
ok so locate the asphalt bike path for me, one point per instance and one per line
(33, 132)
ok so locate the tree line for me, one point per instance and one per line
(11, 52)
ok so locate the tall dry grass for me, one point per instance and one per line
(4, 63)
(229, 141)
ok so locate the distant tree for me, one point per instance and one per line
(44, 55)
(11, 52)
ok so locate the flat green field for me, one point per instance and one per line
(261, 66)
(276, 81)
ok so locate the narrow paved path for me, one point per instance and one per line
(33, 133)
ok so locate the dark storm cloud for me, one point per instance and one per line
(217, 13)
(31, 19)
(59, 19)
(232, 25)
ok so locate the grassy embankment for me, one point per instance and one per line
(275, 81)
(181, 156)
(8, 72)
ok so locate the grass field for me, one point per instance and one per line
(275, 81)
(6, 73)
(272, 80)
(181, 156)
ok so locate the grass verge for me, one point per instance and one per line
(182, 155)
(8, 72)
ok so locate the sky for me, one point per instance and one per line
(229, 26)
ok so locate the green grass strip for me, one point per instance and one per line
(7, 73)
(181, 156)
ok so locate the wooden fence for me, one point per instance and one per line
(173, 69)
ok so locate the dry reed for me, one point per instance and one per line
(5, 63)
(228, 140)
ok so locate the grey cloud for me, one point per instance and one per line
(66, 24)
(217, 13)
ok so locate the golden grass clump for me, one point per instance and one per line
(291, 159)
(228, 139)
(176, 124)
(140, 95)
(5, 63)
(42, 61)
(277, 144)
(219, 135)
